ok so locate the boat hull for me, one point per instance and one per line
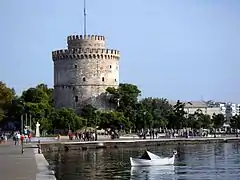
(152, 162)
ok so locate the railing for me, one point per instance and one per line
(38, 147)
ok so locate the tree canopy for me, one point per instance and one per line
(128, 113)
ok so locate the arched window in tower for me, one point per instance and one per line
(75, 66)
(110, 66)
(102, 79)
(84, 79)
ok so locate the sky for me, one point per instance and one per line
(176, 49)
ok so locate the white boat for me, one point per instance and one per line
(150, 159)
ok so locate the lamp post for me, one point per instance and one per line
(21, 131)
(144, 124)
(118, 102)
(30, 122)
(22, 128)
(96, 120)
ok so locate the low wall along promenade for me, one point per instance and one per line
(127, 143)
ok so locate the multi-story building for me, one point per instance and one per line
(238, 109)
(213, 110)
(223, 108)
(192, 106)
(210, 107)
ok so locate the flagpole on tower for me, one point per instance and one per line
(85, 19)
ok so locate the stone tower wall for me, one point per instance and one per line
(84, 71)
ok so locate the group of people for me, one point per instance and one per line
(17, 137)
(85, 136)
(153, 134)
(4, 138)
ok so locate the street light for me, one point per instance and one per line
(22, 124)
(96, 119)
(118, 102)
(144, 123)
(22, 149)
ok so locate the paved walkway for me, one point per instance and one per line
(17, 166)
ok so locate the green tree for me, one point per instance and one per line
(89, 113)
(235, 123)
(113, 120)
(140, 118)
(35, 103)
(38, 103)
(126, 95)
(125, 99)
(6, 97)
(6, 94)
(2, 114)
(218, 121)
(35, 95)
(159, 109)
(66, 119)
(15, 110)
(46, 125)
(179, 115)
(191, 121)
(199, 120)
(206, 121)
(48, 91)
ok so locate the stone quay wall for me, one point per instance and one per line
(67, 146)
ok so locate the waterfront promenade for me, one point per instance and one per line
(15, 165)
(27, 166)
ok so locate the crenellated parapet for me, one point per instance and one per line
(85, 37)
(84, 41)
(87, 53)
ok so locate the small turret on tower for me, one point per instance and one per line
(87, 41)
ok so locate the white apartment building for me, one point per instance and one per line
(213, 110)
(229, 110)
(211, 107)
(192, 106)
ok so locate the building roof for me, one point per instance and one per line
(191, 104)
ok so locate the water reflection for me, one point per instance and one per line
(200, 161)
(151, 172)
